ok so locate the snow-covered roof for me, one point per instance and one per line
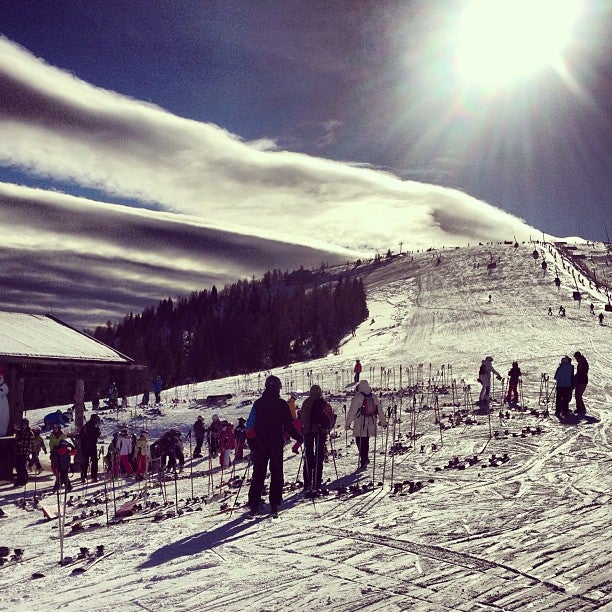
(35, 336)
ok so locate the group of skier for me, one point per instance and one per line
(568, 381)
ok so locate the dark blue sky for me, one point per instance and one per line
(367, 82)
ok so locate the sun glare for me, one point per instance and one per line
(504, 40)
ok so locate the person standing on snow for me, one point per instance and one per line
(582, 380)
(213, 436)
(268, 420)
(199, 431)
(564, 376)
(89, 434)
(484, 378)
(240, 435)
(24, 446)
(314, 442)
(142, 454)
(227, 443)
(514, 373)
(124, 450)
(158, 385)
(357, 369)
(364, 414)
(39, 444)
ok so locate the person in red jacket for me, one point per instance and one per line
(357, 369)
(227, 443)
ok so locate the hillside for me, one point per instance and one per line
(525, 526)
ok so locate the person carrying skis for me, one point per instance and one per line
(89, 434)
(358, 368)
(581, 380)
(268, 420)
(314, 441)
(564, 376)
(24, 446)
(39, 444)
(364, 414)
(142, 454)
(514, 373)
(199, 431)
(484, 378)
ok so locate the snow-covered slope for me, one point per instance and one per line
(528, 532)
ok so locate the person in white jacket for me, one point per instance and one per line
(124, 450)
(484, 378)
(364, 415)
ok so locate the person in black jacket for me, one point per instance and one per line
(24, 446)
(514, 374)
(581, 380)
(89, 434)
(199, 431)
(268, 421)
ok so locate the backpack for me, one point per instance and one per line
(368, 408)
(323, 415)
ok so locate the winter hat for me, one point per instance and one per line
(241, 421)
(215, 417)
(273, 383)
(489, 358)
(315, 390)
(200, 417)
(577, 354)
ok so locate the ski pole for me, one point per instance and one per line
(244, 477)
(375, 440)
(333, 451)
(191, 465)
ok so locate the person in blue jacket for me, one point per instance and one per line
(564, 376)
(268, 421)
(158, 385)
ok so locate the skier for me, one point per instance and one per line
(358, 367)
(581, 380)
(601, 318)
(24, 446)
(199, 431)
(39, 444)
(89, 434)
(144, 402)
(564, 376)
(158, 385)
(124, 450)
(227, 443)
(484, 378)
(513, 378)
(113, 396)
(142, 454)
(55, 437)
(240, 436)
(269, 418)
(65, 450)
(314, 442)
(364, 414)
(213, 436)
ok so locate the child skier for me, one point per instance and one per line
(39, 444)
(142, 454)
(65, 450)
(513, 378)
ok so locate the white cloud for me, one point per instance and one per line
(56, 125)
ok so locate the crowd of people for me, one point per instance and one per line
(271, 424)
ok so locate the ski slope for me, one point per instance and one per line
(531, 532)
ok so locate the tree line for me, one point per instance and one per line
(248, 326)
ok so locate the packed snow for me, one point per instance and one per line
(503, 510)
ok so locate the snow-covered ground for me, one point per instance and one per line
(532, 532)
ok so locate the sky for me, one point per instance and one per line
(173, 145)
(529, 534)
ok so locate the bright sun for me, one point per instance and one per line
(503, 40)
